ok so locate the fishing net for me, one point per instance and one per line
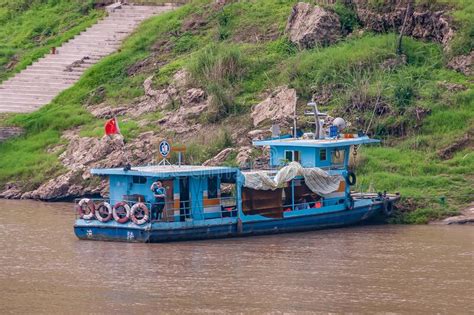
(318, 180)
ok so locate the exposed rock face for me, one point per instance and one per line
(82, 154)
(309, 26)
(466, 217)
(463, 64)
(108, 111)
(244, 157)
(194, 102)
(219, 158)
(279, 106)
(11, 191)
(421, 23)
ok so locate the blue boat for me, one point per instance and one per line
(307, 186)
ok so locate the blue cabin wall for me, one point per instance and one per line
(202, 207)
(309, 156)
(123, 185)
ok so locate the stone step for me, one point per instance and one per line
(50, 74)
(26, 105)
(18, 109)
(42, 81)
(26, 94)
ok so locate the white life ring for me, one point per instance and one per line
(146, 213)
(89, 204)
(103, 208)
(126, 207)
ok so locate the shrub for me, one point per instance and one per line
(218, 63)
(347, 17)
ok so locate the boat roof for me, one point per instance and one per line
(166, 171)
(319, 143)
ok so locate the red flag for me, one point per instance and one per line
(112, 127)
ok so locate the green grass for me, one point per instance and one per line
(30, 28)
(240, 53)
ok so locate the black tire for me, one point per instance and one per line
(388, 208)
(351, 178)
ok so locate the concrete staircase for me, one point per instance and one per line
(42, 81)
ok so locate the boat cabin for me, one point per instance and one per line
(197, 192)
(325, 153)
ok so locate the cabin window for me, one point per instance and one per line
(292, 156)
(323, 154)
(338, 156)
(212, 187)
(138, 180)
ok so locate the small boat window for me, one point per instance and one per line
(292, 156)
(212, 187)
(323, 154)
(338, 156)
(139, 180)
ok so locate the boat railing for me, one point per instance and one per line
(179, 211)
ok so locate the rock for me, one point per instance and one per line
(194, 102)
(108, 111)
(83, 154)
(12, 191)
(56, 188)
(421, 23)
(463, 64)
(219, 158)
(159, 102)
(466, 217)
(279, 106)
(244, 157)
(180, 79)
(82, 151)
(259, 134)
(309, 26)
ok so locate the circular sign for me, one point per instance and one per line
(165, 148)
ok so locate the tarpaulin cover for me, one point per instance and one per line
(318, 180)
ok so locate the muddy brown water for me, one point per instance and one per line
(401, 269)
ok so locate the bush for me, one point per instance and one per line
(347, 17)
(218, 63)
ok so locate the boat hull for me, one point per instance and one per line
(227, 227)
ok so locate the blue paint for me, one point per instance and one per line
(210, 219)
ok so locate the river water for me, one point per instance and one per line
(402, 269)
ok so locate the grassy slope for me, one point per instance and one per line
(239, 53)
(30, 28)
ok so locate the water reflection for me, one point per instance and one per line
(44, 268)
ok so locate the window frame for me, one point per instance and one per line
(142, 180)
(215, 192)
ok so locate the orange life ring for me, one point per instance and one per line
(139, 206)
(86, 209)
(103, 213)
(121, 206)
